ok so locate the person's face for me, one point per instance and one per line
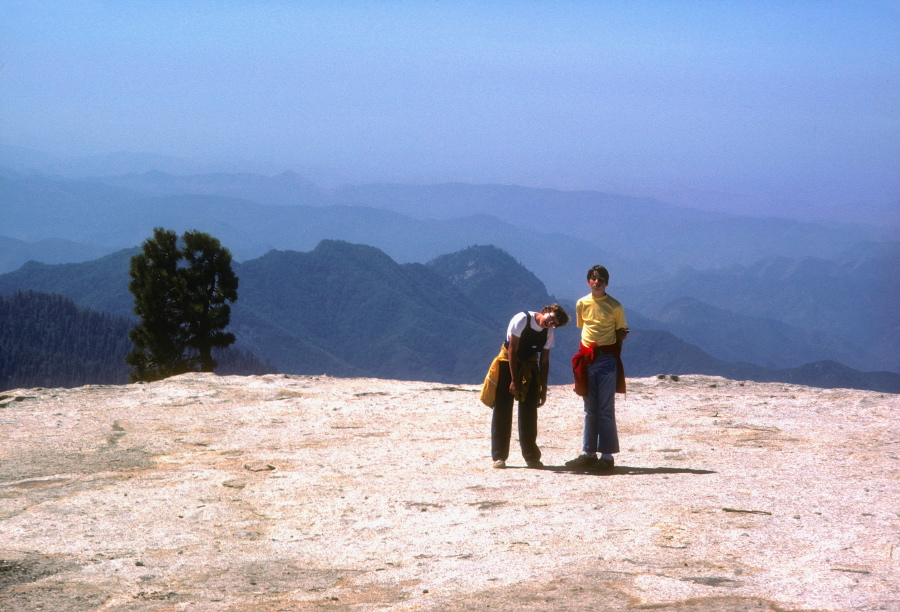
(596, 283)
(546, 320)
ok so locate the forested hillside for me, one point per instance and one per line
(351, 310)
(100, 284)
(48, 341)
(493, 280)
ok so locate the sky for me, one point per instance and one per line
(762, 107)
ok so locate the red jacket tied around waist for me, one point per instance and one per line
(585, 356)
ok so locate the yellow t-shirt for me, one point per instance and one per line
(599, 319)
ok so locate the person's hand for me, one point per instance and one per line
(542, 398)
(512, 388)
(621, 334)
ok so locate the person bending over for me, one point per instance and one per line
(524, 368)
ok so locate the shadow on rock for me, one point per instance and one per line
(623, 470)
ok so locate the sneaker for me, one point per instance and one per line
(535, 464)
(582, 461)
(499, 464)
(606, 464)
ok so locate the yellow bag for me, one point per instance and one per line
(489, 387)
(528, 370)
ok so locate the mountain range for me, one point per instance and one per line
(646, 234)
(104, 213)
(557, 234)
(350, 310)
(846, 309)
(772, 292)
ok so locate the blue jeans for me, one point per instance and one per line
(600, 434)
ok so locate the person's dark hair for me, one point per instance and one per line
(562, 317)
(601, 271)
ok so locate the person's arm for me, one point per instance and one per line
(621, 326)
(545, 375)
(512, 351)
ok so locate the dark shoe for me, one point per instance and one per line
(535, 465)
(605, 464)
(582, 461)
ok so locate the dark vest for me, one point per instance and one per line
(530, 342)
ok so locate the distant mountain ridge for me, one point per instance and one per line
(639, 229)
(100, 284)
(285, 189)
(851, 303)
(555, 233)
(351, 310)
(96, 212)
(766, 342)
(486, 275)
(654, 353)
(14, 253)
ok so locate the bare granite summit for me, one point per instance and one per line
(291, 493)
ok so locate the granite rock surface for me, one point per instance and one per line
(277, 493)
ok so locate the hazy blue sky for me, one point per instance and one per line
(749, 105)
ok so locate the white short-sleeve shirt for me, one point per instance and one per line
(517, 326)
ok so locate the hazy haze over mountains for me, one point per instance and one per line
(638, 238)
(766, 108)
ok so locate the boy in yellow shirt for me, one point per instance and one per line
(598, 370)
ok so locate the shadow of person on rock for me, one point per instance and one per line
(622, 470)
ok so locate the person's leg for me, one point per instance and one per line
(602, 381)
(590, 437)
(501, 420)
(599, 415)
(588, 458)
(528, 412)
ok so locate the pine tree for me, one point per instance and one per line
(180, 296)
(210, 284)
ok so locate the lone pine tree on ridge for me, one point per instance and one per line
(181, 295)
